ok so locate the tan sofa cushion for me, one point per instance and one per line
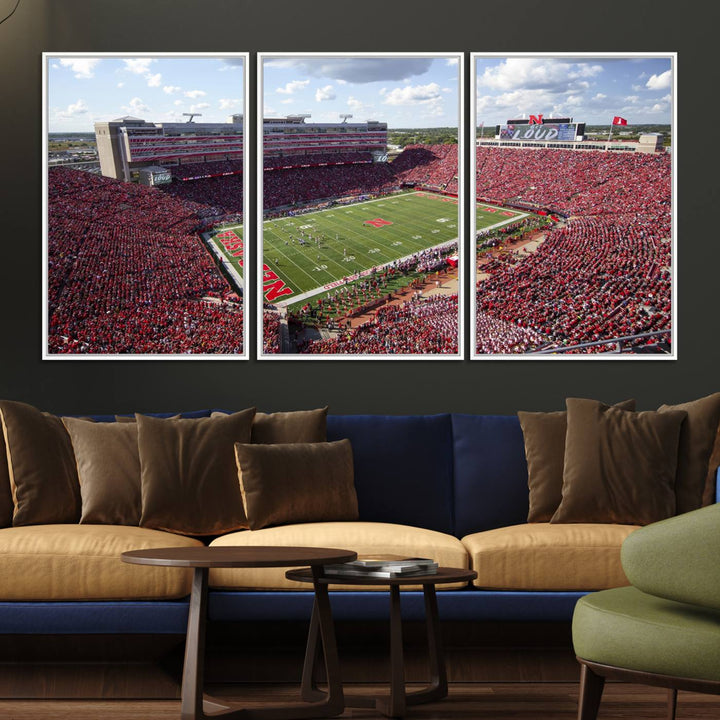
(82, 562)
(365, 538)
(544, 556)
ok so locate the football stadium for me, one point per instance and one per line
(360, 254)
(148, 258)
(589, 270)
(356, 247)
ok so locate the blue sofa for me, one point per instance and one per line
(452, 473)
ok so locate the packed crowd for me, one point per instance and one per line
(127, 274)
(206, 169)
(302, 185)
(271, 162)
(495, 336)
(432, 166)
(271, 331)
(216, 196)
(576, 182)
(596, 278)
(420, 327)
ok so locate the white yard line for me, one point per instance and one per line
(355, 276)
(339, 208)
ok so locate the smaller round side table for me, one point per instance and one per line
(396, 703)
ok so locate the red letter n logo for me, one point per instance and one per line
(377, 222)
(535, 120)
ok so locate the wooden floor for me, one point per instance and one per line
(476, 701)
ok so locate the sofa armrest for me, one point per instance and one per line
(677, 558)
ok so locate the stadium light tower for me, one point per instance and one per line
(345, 117)
(192, 115)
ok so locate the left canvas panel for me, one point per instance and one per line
(144, 199)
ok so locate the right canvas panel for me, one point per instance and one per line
(573, 221)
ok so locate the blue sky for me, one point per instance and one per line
(589, 89)
(83, 90)
(406, 91)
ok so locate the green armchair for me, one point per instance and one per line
(664, 629)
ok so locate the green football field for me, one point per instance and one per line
(488, 216)
(306, 255)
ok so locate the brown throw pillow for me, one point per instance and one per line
(619, 466)
(6, 501)
(297, 426)
(188, 474)
(544, 436)
(697, 439)
(41, 466)
(108, 466)
(297, 482)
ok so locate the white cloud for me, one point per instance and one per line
(121, 84)
(598, 97)
(359, 108)
(325, 93)
(178, 102)
(195, 94)
(136, 107)
(229, 103)
(547, 74)
(199, 106)
(139, 66)
(287, 101)
(292, 87)
(413, 94)
(82, 67)
(632, 98)
(356, 69)
(659, 82)
(154, 80)
(452, 61)
(231, 64)
(73, 110)
(171, 89)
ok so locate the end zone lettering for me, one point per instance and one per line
(232, 244)
(273, 285)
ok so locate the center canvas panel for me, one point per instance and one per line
(359, 176)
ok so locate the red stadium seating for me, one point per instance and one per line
(605, 273)
(127, 274)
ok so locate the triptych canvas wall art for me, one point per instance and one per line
(355, 209)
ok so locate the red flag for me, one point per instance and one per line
(617, 120)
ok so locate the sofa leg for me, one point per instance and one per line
(672, 703)
(591, 688)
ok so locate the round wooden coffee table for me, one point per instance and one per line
(201, 559)
(395, 704)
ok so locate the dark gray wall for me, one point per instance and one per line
(689, 28)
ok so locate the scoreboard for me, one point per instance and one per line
(544, 132)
